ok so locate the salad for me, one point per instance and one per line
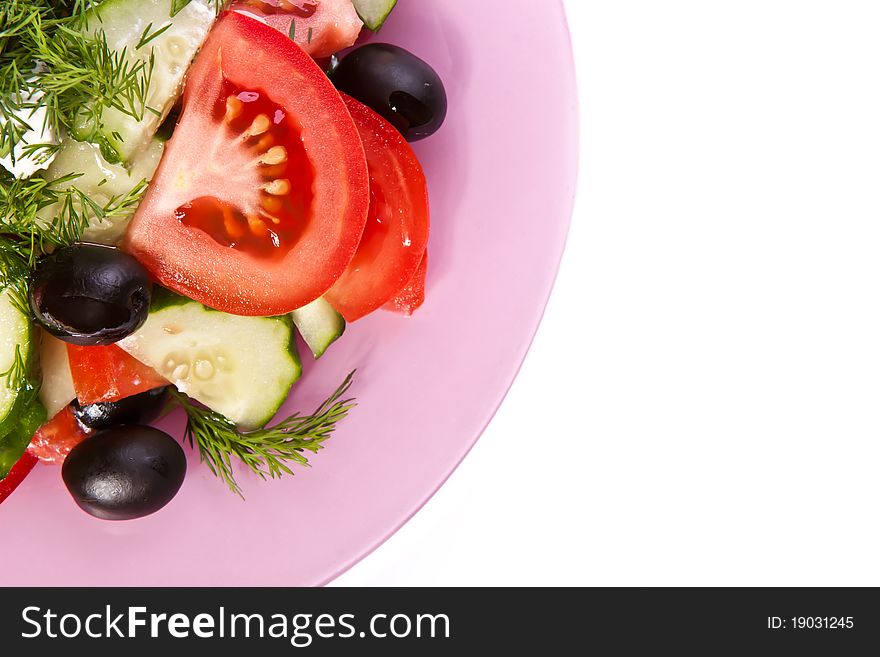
(185, 187)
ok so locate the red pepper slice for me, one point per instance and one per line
(19, 471)
(108, 374)
(54, 440)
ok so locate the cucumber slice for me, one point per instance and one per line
(241, 367)
(57, 390)
(126, 25)
(374, 13)
(319, 325)
(15, 442)
(16, 351)
(101, 181)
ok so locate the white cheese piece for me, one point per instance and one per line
(18, 163)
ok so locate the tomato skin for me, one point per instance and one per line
(20, 470)
(250, 55)
(54, 440)
(396, 234)
(411, 298)
(108, 374)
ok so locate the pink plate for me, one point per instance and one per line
(502, 174)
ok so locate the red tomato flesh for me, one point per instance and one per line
(396, 233)
(108, 374)
(261, 198)
(20, 470)
(54, 440)
(281, 217)
(411, 298)
(320, 27)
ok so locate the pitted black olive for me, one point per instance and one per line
(392, 81)
(88, 294)
(138, 409)
(124, 473)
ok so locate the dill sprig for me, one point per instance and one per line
(17, 377)
(85, 76)
(14, 268)
(53, 56)
(39, 215)
(178, 5)
(267, 452)
(47, 60)
(13, 282)
(50, 61)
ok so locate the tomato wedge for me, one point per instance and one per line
(261, 198)
(396, 233)
(108, 374)
(20, 470)
(54, 440)
(411, 298)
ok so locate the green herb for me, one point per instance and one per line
(267, 452)
(87, 77)
(177, 6)
(20, 375)
(38, 215)
(292, 32)
(148, 36)
(48, 60)
(17, 374)
(14, 260)
(310, 34)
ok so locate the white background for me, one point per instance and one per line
(702, 403)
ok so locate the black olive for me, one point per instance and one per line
(396, 84)
(138, 409)
(88, 294)
(124, 473)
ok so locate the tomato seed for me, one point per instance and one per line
(260, 125)
(275, 155)
(280, 187)
(234, 108)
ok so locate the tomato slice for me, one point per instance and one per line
(54, 440)
(320, 27)
(108, 374)
(261, 198)
(411, 298)
(396, 233)
(20, 470)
